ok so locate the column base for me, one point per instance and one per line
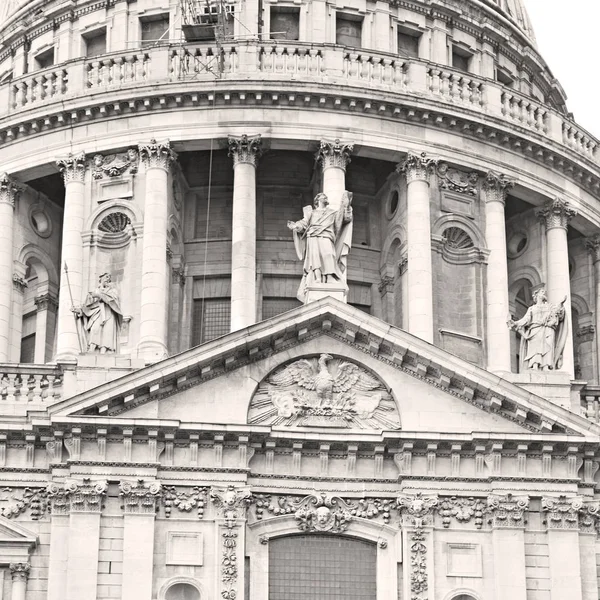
(151, 351)
(317, 291)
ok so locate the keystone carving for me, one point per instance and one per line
(323, 513)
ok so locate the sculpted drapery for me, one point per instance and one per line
(101, 317)
(322, 240)
(543, 332)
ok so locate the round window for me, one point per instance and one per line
(40, 221)
(517, 243)
(393, 203)
(182, 591)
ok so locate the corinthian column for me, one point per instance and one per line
(556, 215)
(245, 152)
(71, 286)
(498, 334)
(8, 195)
(334, 158)
(417, 167)
(156, 158)
(593, 245)
(19, 573)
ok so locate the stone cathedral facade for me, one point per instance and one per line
(214, 387)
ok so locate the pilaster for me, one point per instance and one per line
(593, 246)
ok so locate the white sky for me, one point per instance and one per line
(568, 37)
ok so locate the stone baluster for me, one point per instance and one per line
(556, 215)
(19, 573)
(416, 168)
(495, 188)
(245, 152)
(157, 158)
(593, 245)
(8, 195)
(71, 287)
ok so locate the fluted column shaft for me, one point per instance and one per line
(71, 285)
(156, 158)
(8, 195)
(416, 167)
(593, 245)
(498, 333)
(334, 158)
(556, 215)
(245, 152)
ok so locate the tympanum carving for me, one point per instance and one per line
(324, 392)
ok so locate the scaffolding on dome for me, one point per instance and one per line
(204, 21)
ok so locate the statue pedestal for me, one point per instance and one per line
(317, 291)
(552, 385)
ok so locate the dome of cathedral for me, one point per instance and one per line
(516, 12)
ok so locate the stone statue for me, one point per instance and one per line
(543, 332)
(101, 317)
(322, 239)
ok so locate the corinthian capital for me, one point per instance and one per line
(139, 497)
(593, 246)
(562, 512)
(245, 149)
(157, 155)
(417, 167)
(507, 511)
(496, 187)
(19, 571)
(334, 154)
(86, 495)
(9, 190)
(556, 213)
(72, 167)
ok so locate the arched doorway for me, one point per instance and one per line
(322, 567)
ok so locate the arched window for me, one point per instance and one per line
(182, 591)
(322, 567)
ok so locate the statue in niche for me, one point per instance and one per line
(322, 239)
(543, 332)
(101, 317)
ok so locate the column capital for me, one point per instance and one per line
(593, 246)
(417, 167)
(334, 154)
(19, 283)
(562, 512)
(19, 571)
(556, 213)
(496, 186)
(72, 167)
(508, 510)
(157, 155)
(46, 301)
(85, 496)
(139, 497)
(9, 190)
(245, 149)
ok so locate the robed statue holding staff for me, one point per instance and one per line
(322, 240)
(101, 317)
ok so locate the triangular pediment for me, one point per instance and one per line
(15, 534)
(397, 382)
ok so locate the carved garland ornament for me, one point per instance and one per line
(16, 502)
(457, 181)
(114, 165)
(184, 501)
(323, 392)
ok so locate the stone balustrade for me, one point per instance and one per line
(590, 403)
(153, 69)
(30, 384)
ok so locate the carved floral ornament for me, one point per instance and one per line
(323, 392)
(115, 165)
(334, 154)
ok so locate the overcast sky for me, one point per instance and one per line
(568, 37)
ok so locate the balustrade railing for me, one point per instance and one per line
(363, 70)
(524, 110)
(22, 384)
(109, 71)
(457, 87)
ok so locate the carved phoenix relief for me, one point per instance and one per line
(324, 392)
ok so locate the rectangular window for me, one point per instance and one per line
(271, 307)
(44, 59)
(504, 78)
(460, 59)
(408, 43)
(211, 319)
(28, 349)
(348, 30)
(285, 23)
(95, 43)
(154, 29)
